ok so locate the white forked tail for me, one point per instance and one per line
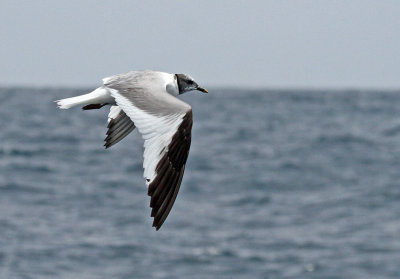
(98, 96)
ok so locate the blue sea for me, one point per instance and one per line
(278, 184)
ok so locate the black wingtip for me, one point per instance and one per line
(157, 227)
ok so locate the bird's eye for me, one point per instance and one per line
(190, 81)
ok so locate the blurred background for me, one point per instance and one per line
(294, 166)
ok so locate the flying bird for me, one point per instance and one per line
(147, 100)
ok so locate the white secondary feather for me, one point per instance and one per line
(114, 111)
(157, 131)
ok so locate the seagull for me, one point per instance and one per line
(147, 100)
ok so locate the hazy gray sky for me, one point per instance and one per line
(218, 42)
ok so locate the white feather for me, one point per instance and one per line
(99, 96)
(157, 131)
(114, 111)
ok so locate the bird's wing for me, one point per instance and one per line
(119, 126)
(165, 123)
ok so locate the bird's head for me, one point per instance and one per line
(186, 83)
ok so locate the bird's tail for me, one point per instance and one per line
(98, 96)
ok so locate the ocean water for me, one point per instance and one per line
(278, 184)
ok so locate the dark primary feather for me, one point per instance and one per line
(169, 172)
(118, 128)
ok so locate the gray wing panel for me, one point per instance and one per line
(147, 90)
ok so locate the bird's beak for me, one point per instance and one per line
(202, 89)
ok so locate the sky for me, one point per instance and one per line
(224, 43)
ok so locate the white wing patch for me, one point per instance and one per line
(114, 111)
(157, 132)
